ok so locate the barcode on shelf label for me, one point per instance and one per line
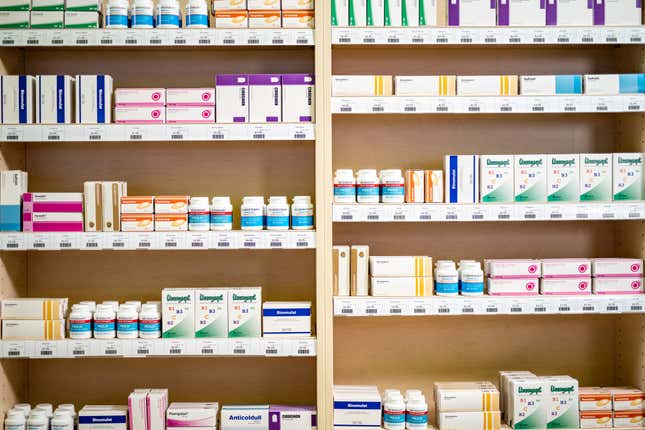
(378, 108)
(249, 244)
(271, 351)
(302, 41)
(302, 243)
(515, 39)
(106, 40)
(8, 41)
(588, 307)
(144, 244)
(176, 350)
(277, 41)
(371, 310)
(180, 41)
(569, 107)
(223, 244)
(477, 216)
(516, 309)
(582, 215)
(143, 351)
(259, 135)
(46, 352)
(393, 39)
(539, 309)
(347, 310)
(636, 307)
(303, 351)
(506, 108)
(57, 41)
(492, 309)
(395, 310)
(136, 136)
(490, 39)
(299, 135)
(503, 216)
(419, 310)
(555, 215)
(208, 351)
(467, 309)
(537, 108)
(409, 108)
(452, 216)
(131, 41)
(466, 40)
(539, 39)
(587, 38)
(474, 108)
(111, 351)
(170, 244)
(564, 308)
(612, 307)
(345, 39)
(611, 39)
(443, 310)
(177, 136)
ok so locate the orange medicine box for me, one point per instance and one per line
(628, 399)
(265, 19)
(625, 419)
(137, 205)
(171, 222)
(596, 419)
(171, 204)
(137, 222)
(594, 399)
(298, 18)
(231, 19)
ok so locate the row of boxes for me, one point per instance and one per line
(262, 5)
(487, 85)
(49, 19)
(467, 405)
(608, 407)
(264, 19)
(487, 13)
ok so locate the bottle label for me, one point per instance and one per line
(302, 221)
(344, 189)
(417, 417)
(143, 20)
(166, 19)
(80, 326)
(104, 326)
(277, 221)
(367, 190)
(472, 287)
(199, 218)
(121, 20)
(393, 417)
(252, 221)
(150, 326)
(447, 287)
(393, 190)
(221, 217)
(127, 325)
(196, 19)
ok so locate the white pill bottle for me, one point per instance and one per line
(302, 213)
(127, 322)
(142, 14)
(104, 322)
(367, 186)
(80, 322)
(446, 279)
(394, 412)
(392, 186)
(15, 420)
(196, 14)
(344, 186)
(471, 279)
(149, 322)
(221, 214)
(168, 14)
(117, 14)
(416, 414)
(252, 213)
(278, 213)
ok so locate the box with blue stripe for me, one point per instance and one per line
(549, 85)
(356, 407)
(292, 319)
(54, 99)
(462, 178)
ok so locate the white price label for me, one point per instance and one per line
(530, 213)
(420, 307)
(466, 37)
(346, 213)
(172, 240)
(14, 349)
(143, 348)
(230, 38)
(277, 240)
(65, 241)
(582, 212)
(564, 305)
(91, 241)
(13, 241)
(273, 348)
(175, 347)
(375, 213)
(177, 133)
(253, 38)
(442, 37)
(540, 306)
(219, 133)
(633, 103)
(143, 241)
(399, 213)
(241, 347)
(474, 105)
(394, 36)
(516, 307)
(208, 347)
(299, 132)
(427, 213)
(107, 38)
(305, 348)
(418, 37)
(46, 349)
(373, 308)
(443, 308)
(117, 241)
(111, 348)
(80, 348)
(260, 132)
(136, 133)
(223, 240)
(344, 307)
(635, 305)
(39, 241)
(612, 306)
(132, 37)
(53, 133)
(514, 37)
(252, 240)
(563, 36)
(492, 307)
(197, 240)
(538, 36)
(12, 133)
(452, 213)
(57, 38)
(9, 39)
(589, 305)
(155, 37)
(94, 133)
(468, 307)
(396, 308)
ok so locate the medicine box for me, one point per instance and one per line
(433, 187)
(561, 402)
(297, 4)
(566, 268)
(565, 286)
(530, 178)
(157, 403)
(263, 4)
(54, 99)
(359, 269)
(286, 319)
(231, 18)
(265, 98)
(444, 85)
(617, 267)
(13, 184)
(614, 84)
(137, 409)
(596, 419)
(618, 286)
(33, 309)
(111, 193)
(14, 19)
(50, 222)
(33, 330)
(82, 19)
(462, 178)
(93, 99)
(432, 13)
(229, 5)
(571, 12)
(182, 415)
(171, 204)
(360, 407)
(527, 403)
(47, 20)
(140, 97)
(513, 287)
(361, 85)
(410, 286)
(139, 115)
(466, 396)
(489, 85)
(375, 13)
(232, 98)
(617, 12)
(93, 205)
(596, 177)
(265, 19)
(178, 313)
(171, 222)
(628, 399)
(525, 13)
(244, 312)
(141, 222)
(341, 256)
(563, 177)
(18, 99)
(103, 417)
(358, 13)
(496, 173)
(387, 266)
(190, 97)
(627, 176)
(47, 5)
(190, 115)
(137, 204)
(629, 419)
(298, 97)
(292, 417)
(594, 399)
(247, 417)
(470, 420)
(298, 19)
(211, 312)
(340, 13)
(472, 13)
(513, 268)
(549, 85)
(52, 202)
(15, 5)
(83, 5)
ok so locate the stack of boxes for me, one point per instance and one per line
(195, 416)
(264, 13)
(171, 213)
(566, 276)
(401, 276)
(47, 14)
(96, 417)
(13, 184)
(617, 276)
(357, 406)
(351, 270)
(190, 105)
(147, 409)
(52, 212)
(149, 213)
(513, 277)
(33, 319)
(102, 204)
(467, 405)
(140, 106)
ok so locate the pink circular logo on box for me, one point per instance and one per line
(636, 285)
(582, 268)
(532, 268)
(206, 97)
(530, 286)
(635, 267)
(583, 286)
(156, 96)
(206, 114)
(156, 113)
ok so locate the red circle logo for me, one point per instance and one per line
(636, 285)
(530, 286)
(635, 267)
(156, 113)
(206, 113)
(583, 268)
(156, 96)
(532, 268)
(206, 97)
(583, 286)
